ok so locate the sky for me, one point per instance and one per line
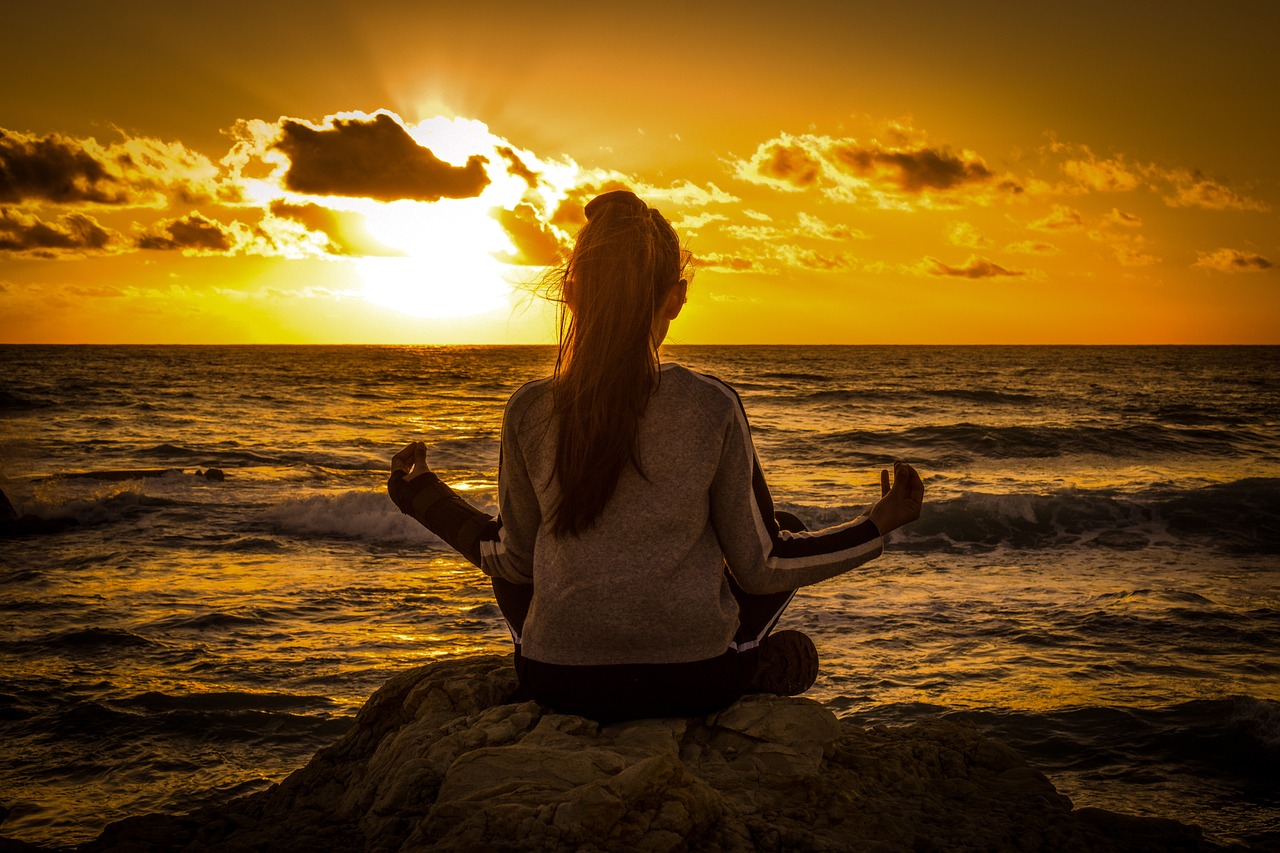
(847, 173)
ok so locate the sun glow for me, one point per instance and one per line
(454, 250)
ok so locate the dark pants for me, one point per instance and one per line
(608, 692)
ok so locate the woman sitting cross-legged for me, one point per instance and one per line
(637, 556)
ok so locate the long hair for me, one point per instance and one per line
(624, 263)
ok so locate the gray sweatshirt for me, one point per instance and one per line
(646, 583)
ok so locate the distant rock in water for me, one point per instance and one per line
(437, 761)
(12, 524)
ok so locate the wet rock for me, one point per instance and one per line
(12, 524)
(438, 760)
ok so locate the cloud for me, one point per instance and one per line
(72, 233)
(812, 226)
(372, 158)
(725, 263)
(1133, 256)
(1102, 175)
(1060, 218)
(1192, 189)
(903, 174)
(913, 170)
(56, 168)
(194, 234)
(965, 234)
(536, 242)
(132, 172)
(1119, 217)
(974, 268)
(797, 256)
(1032, 247)
(694, 221)
(784, 163)
(346, 231)
(1232, 261)
(516, 166)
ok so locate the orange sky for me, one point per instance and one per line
(337, 172)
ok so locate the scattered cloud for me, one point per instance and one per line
(58, 169)
(517, 167)
(974, 268)
(1192, 189)
(1102, 175)
(71, 233)
(802, 258)
(693, 221)
(1060, 218)
(1232, 261)
(906, 172)
(346, 230)
(1125, 220)
(372, 157)
(1132, 255)
(812, 226)
(725, 263)
(1032, 247)
(193, 234)
(913, 170)
(132, 172)
(536, 242)
(965, 234)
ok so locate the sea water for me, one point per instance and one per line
(1093, 580)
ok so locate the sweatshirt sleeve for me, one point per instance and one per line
(506, 549)
(429, 501)
(762, 557)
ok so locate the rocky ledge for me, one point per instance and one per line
(437, 760)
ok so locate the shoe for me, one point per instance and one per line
(787, 664)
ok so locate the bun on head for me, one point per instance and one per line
(625, 200)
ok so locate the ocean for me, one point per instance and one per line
(1095, 579)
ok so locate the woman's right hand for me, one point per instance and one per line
(900, 499)
(412, 460)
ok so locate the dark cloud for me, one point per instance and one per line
(374, 158)
(517, 167)
(791, 164)
(193, 232)
(346, 230)
(55, 168)
(570, 213)
(914, 170)
(71, 232)
(725, 263)
(1232, 260)
(974, 268)
(537, 244)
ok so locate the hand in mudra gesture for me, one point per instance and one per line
(900, 499)
(412, 460)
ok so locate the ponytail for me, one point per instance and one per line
(625, 261)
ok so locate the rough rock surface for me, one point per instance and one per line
(438, 761)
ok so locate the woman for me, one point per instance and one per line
(637, 556)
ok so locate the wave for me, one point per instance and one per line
(208, 457)
(968, 440)
(11, 402)
(369, 516)
(334, 460)
(1241, 516)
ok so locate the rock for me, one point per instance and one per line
(12, 524)
(437, 760)
(215, 474)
